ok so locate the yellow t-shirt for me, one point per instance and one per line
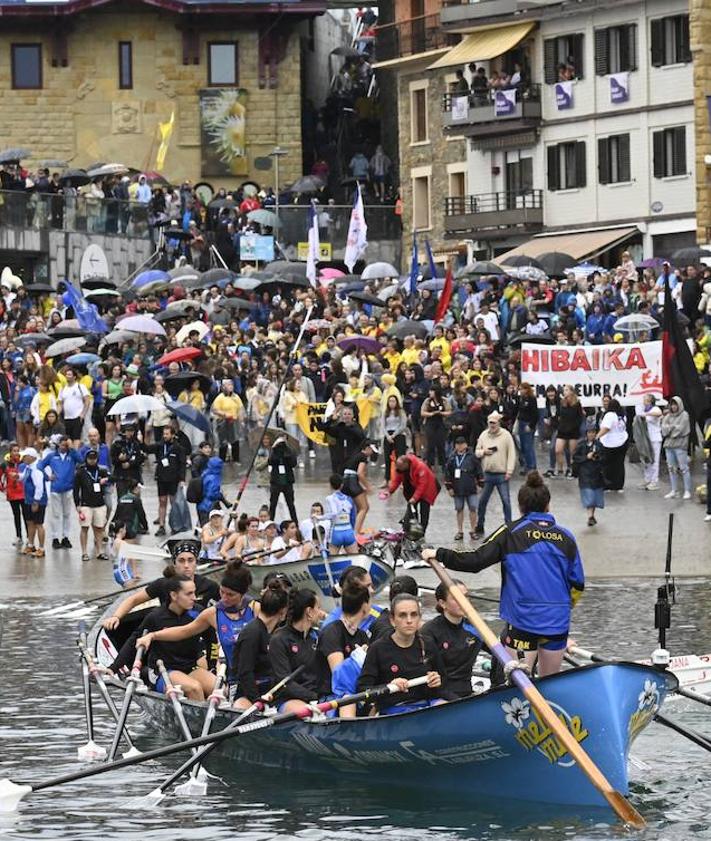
(411, 355)
(230, 404)
(193, 398)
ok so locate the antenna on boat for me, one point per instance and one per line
(666, 597)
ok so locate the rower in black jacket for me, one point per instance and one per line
(170, 472)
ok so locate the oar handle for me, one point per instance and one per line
(577, 651)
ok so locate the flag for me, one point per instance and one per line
(414, 266)
(357, 240)
(314, 246)
(166, 131)
(86, 314)
(430, 259)
(445, 296)
(679, 375)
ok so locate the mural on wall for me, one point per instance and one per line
(223, 117)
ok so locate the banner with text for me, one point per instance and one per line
(505, 102)
(625, 372)
(309, 414)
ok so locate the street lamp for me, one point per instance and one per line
(276, 153)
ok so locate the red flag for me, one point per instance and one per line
(445, 296)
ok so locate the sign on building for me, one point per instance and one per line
(619, 88)
(505, 103)
(253, 247)
(564, 95)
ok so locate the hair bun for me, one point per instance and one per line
(534, 479)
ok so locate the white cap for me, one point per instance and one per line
(265, 525)
(29, 451)
(215, 513)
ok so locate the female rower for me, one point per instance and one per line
(213, 535)
(184, 659)
(355, 481)
(352, 576)
(542, 577)
(250, 672)
(244, 544)
(456, 641)
(382, 626)
(401, 657)
(295, 645)
(228, 617)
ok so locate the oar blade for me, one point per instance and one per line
(625, 810)
(91, 752)
(193, 786)
(53, 611)
(11, 794)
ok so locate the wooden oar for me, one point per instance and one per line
(89, 752)
(12, 793)
(470, 594)
(158, 794)
(133, 681)
(622, 807)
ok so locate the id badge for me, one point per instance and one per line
(282, 469)
(97, 487)
(457, 473)
(165, 462)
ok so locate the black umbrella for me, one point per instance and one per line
(402, 329)
(174, 232)
(522, 260)
(283, 280)
(307, 184)
(176, 383)
(691, 255)
(215, 276)
(40, 289)
(236, 304)
(8, 156)
(286, 267)
(540, 339)
(65, 333)
(344, 279)
(33, 339)
(556, 263)
(346, 52)
(97, 283)
(366, 298)
(74, 178)
(479, 268)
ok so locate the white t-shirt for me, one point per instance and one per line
(617, 430)
(293, 554)
(653, 417)
(72, 399)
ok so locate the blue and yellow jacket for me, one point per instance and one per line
(541, 572)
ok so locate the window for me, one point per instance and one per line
(222, 66)
(669, 152)
(125, 59)
(421, 202)
(613, 159)
(566, 166)
(418, 115)
(566, 50)
(616, 49)
(457, 184)
(670, 41)
(26, 66)
(519, 175)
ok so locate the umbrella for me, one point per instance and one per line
(284, 280)
(361, 343)
(236, 304)
(691, 255)
(526, 273)
(307, 184)
(184, 275)
(198, 326)
(263, 217)
(426, 273)
(540, 339)
(184, 306)
(136, 404)
(245, 284)
(637, 322)
(190, 415)
(366, 298)
(286, 267)
(408, 328)
(8, 156)
(107, 169)
(141, 324)
(436, 285)
(40, 289)
(275, 432)
(521, 260)
(150, 288)
(74, 178)
(343, 279)
(102, 293)
(60, 332)
(97, 283)
(554, 263)
(652, 263)
(213, 277)
(176, 383)
(82, 358)
(331, 274)
(180, 354)
(150, 276)
(389, 291)
(65, 346)
(375, 271)
(117, 337)
(482, 268)
(346, 52)
(219, 204)
(156, 179)
(319, 324)
(33, 339)
(585, 269)
(173, 231)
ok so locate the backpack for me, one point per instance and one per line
(194, 490)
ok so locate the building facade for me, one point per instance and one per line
(700, 26)
(582, 140)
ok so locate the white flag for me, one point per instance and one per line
(357, 240)
(314, 246)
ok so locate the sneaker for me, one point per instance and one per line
(643, 486)
(671, 495)
(85, 558)
(549, 474)
(160, 532)
(707, 518)
(568, 474)
(652, 486)
(558, 475)
(312, 453)
(459, 535)
(17, 542)
(591, 521)
(66, 544)
(687, 495)
(102, 556)
(620, 490)
(301, 464)
(56, 544)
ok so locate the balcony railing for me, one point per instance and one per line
(411, 37)
(460, 11)
(512, 209)
(488, 106)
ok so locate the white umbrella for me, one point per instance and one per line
(141, 324)
(379, 270)
(116, 337)
(637, 322)
(136, 404)
(199, 326)
(585, 269)
(65, 346)
(388, 292)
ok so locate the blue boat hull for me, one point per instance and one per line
(487, 745)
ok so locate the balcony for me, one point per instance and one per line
(458, 12)
(411, 37)
(489, 215)
(487, 113)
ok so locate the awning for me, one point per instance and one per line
(485, 43)
(392, 63)
(579, 244)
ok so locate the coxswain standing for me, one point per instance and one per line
(542, 577)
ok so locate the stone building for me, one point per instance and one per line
(700, 29)
(91, 80)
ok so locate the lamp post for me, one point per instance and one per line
(276, 153)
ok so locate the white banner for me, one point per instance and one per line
(564, 95)
(460, 109)
(505, 102)
(625, 372)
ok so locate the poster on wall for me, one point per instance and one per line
(563, 95)
(460, 109)
(223, 137)
(619, 88)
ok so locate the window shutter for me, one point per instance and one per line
(624, 167)
(602, 62)
(576, 48)
(603, 160)
(684, 44)
(658, 153)
(679, 151)
(550, 74)
(658, 43)
(580, 173)
(630, 41)
(553, 168)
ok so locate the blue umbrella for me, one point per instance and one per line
(83, 358)
(150, 276)
(190, 415)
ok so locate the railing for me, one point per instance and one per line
(493, 202)
(410, 37)
(383, 224)
(485, 98)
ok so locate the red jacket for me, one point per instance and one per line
(10, 481)
(422, 480)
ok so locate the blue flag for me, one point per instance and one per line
(414, 266)
(86, 314)
(430, 259)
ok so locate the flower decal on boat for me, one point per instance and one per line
(649, 696)
(517, 711)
